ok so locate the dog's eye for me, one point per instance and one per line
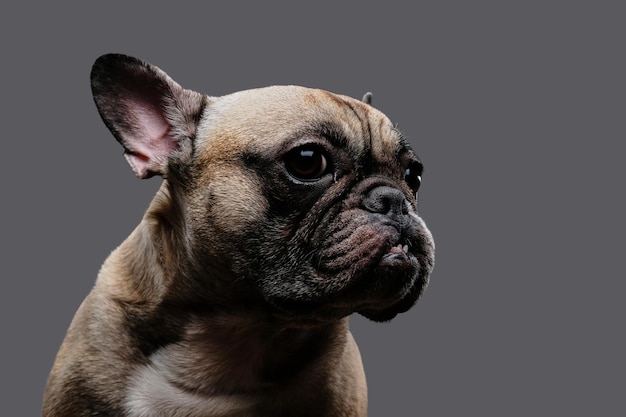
(413, 176)
(306, 163)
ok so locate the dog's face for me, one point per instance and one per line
(303, 197)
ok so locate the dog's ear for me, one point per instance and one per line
(152, 116)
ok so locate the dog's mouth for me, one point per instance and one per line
(398, 255)
(396, 267)
(357, 262)
(368, 276)
(376, 259)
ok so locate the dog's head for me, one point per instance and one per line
(304, 197)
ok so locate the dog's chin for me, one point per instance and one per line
(393, 287)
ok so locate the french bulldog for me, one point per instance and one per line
(283, 210)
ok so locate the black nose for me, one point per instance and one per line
(386, 200)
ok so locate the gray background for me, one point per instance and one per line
(516, 108)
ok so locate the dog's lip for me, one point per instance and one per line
(398, 249)
(397, 255)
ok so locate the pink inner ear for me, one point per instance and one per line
(150, 143)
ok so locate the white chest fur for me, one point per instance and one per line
(153, 392)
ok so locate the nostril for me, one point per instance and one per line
(386, 200)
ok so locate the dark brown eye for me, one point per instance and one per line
(413, 176)
(307, 163)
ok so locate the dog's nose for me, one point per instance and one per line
(386, 200)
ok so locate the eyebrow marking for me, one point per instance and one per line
(333, 134)
(366, 130)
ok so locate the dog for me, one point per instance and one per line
(283, 210)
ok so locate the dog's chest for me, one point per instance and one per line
(152, 394)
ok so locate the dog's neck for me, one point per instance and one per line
(139, 272)
(238, 354)
(248, 367)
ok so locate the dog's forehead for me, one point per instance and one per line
(267, 116)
